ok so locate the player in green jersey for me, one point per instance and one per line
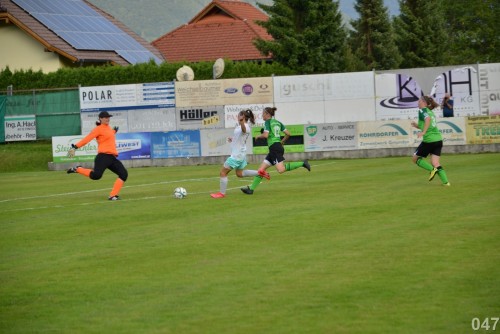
(272, 130)
(432, 140)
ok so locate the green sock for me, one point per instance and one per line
(442, 175)
(424, 164)
(256, 182)
(293, 165)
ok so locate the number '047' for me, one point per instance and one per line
(485, 324)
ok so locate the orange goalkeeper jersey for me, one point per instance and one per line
(105, 137)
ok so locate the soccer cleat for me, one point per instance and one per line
(432, 174)
(217, 195)
(307, 165)
(114, 198)
(447, 184)
(247, 190)
(264, 174)
(72, 169)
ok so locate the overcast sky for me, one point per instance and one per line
(347, 7)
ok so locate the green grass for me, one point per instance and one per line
(25, 156)
(355, 246)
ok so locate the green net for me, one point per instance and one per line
(56, 113)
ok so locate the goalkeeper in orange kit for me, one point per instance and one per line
(106, 155)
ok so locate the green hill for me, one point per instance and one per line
(152, 19)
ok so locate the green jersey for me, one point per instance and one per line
(274, 127)
(432, 134)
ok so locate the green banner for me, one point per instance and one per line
(294, 144)
(3, 103)
(57, 113)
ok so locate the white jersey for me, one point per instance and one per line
(239, 142)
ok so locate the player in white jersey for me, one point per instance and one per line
(238, 158)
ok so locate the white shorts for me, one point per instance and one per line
(232, 163)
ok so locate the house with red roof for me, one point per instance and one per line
(49, 35)
(223, 29)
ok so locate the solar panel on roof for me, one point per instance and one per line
(85, 29)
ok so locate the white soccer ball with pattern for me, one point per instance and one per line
(180, 193)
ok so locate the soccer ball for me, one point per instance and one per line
(180, 193)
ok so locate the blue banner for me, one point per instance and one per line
(134, 145)
(175, 144)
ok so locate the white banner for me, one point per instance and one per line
(453, 130)
(248, 91)
(398, 91)
(325, 98)
(231, 113)
(489, 85)
(301, 88)
(224, 92)
(61, 146)
(151, 120)
(119, 119)
(214, 142)
(330, 137)
(159, 94)
(134, 107)
(200, 117)
(305, 112)
(385, 134)
(20, 128)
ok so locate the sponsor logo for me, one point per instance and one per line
(210, 121)
(230, 90)
(452, 127)
(128, 145)
(96, 95)
(408, 94)
(408, 90)
(196, 114)
(382, 131)
(312, 130)
(247, 89)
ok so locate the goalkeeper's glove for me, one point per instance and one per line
(116, 129)
(72, 151)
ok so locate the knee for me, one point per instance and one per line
(123, 176)
(95, 176)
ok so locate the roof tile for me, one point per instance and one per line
(223, 29)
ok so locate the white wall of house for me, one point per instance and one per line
(19, 49)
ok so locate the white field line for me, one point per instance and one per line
(105, 201)
(106, 189)
(125, 187)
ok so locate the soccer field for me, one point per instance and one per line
(354, 246)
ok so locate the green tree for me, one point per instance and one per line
(308, 35)
(372, 39)
(473, 31)
(421, 34)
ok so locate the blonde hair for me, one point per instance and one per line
(431, 104)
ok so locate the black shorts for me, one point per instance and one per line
(109, 161)
(275, 155)
(424, 149)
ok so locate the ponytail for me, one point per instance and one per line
(249, 115)
(270, 110)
